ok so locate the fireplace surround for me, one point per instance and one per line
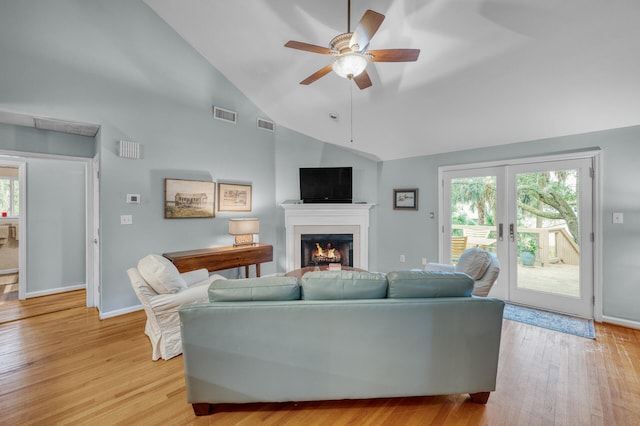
(305, 219)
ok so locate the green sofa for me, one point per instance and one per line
(340, 335)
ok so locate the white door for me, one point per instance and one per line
(550, 236)
(544, 208)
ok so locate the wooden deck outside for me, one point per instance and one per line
(555, 278)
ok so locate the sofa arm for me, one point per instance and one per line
(439, 267)
(196, 276)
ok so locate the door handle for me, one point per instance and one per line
(511, 233)
(500, 230)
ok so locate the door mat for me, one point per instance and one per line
(551, 320)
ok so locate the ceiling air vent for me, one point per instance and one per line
(82, 129)
(225, 115)
(266, 125)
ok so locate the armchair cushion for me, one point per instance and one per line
(474, 262)
(254, 289)
(161, 274)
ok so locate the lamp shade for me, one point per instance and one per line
(349, 65)
(244, 226)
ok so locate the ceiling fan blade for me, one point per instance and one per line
(362, 80)
(308, 47)
(317, 75)
(393, 55)
(365, 30)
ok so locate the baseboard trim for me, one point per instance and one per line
(621, 321)
(123, 311)
(56, 290)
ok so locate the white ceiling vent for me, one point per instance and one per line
(225, 115)
(82, 129)
(266, 125)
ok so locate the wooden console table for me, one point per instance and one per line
(219, 258)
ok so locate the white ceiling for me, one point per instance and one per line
(490, 72)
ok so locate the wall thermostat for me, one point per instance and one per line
(133, 198)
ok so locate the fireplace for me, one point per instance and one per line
(328, 220)
(323, 249)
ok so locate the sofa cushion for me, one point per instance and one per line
(254, 289)
(474, 262)
(406, 284)
(161, 274)
(330, 285)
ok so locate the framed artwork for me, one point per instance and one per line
(188, 199)
(234, 197)
(405, 199)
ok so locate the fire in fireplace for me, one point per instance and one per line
(323, 249)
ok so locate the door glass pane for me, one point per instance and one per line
(473, 214)
(548, 245)
(16, 198)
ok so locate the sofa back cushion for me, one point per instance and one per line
(406, 284)
(332, 285)
(254, 289)
(161, 274)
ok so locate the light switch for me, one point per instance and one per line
(618, 218)
(126, 219)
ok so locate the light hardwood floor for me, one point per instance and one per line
(69, 367)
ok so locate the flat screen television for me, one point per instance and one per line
(326, 184)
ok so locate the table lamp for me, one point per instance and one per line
(244, 230)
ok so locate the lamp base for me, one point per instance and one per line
(243, 240)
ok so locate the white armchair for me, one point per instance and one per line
(479, 264)
(162, 291)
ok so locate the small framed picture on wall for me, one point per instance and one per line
(405, 199)
(234, 197)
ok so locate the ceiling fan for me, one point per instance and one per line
(350, 50)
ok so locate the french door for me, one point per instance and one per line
(537, 219)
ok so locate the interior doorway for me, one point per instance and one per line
(536, 216)
(10, 223)
(56, 254)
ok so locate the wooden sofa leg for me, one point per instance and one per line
(480, 397)
(202, 408)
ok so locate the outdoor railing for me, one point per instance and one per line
(564, 250)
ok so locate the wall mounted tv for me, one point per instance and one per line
(326, 184)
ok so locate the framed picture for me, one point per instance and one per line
(405, 199)
(234, 197)
(188, 199)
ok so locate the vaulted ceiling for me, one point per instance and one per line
(490, 72)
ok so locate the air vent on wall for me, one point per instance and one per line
(225, 115)
(82, 129)
(129, 149)
(266, 125)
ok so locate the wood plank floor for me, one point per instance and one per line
(69, 367)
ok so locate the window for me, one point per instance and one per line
(9, 196)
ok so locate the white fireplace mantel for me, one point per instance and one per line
(326, 218)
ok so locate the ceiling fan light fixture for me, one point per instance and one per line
(350, 65)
